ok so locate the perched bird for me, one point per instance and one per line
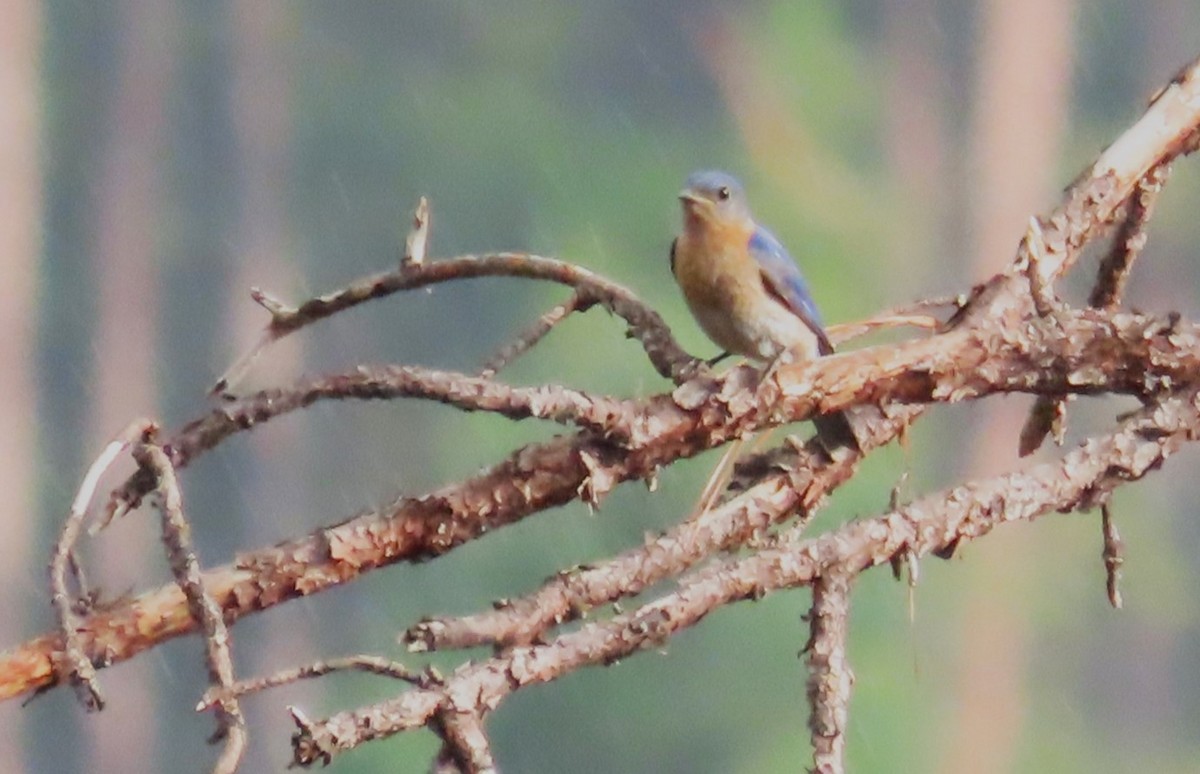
(743, 287)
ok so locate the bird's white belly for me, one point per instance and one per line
(762, 333)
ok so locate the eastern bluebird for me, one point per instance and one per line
(743, 288)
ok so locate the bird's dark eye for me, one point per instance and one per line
(723, 193)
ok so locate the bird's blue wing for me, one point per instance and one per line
(783, 279)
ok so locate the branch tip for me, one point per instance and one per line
(1113, 555)
(418, 236)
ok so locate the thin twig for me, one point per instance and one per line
(914, 315)
(1129, 242)
(610, 417)
(645, 325)
(415, 244)
(418, 236)
(578, 302)
(81, 670)
(375, 665)
(714, 487)
(1113, 554)
(85, 597)
(231, 723)
(840, 333)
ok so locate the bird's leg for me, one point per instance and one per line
(783, 358)
(767, 376)
(768, 391)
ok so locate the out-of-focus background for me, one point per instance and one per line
(158, 159)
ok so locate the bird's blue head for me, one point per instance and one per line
(710, 196)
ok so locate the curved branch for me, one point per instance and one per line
(470, 393)
(645, 325)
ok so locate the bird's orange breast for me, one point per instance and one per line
(720, 282)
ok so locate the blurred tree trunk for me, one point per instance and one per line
(1020, 114)
(21, 244)
(915, 137)
(128, 200)
(262, 116)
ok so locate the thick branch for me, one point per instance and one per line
(465, 746)
(1081, 351)
(795, 485)
(830, 678)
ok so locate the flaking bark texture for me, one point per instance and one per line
(829, 676)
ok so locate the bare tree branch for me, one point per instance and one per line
(231, 723)
(1113, 554)
(464, 744)
(1081, 351)
(788, 484)
(829, 675)
(645, 324)
(1129, 241)
(536, 332)
(370, 664)
(82, 672)
(1048, 414)
(929, 524)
